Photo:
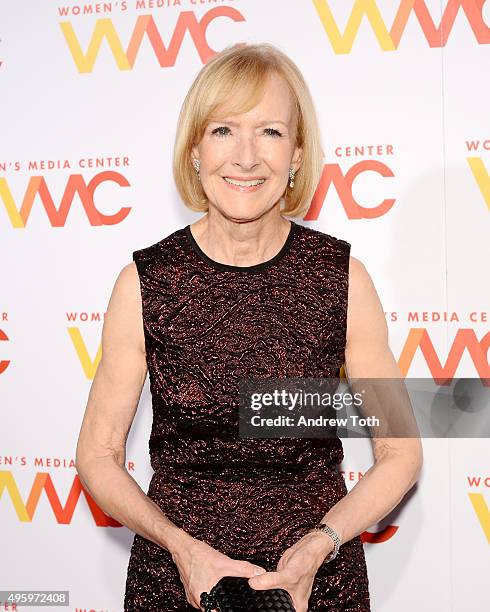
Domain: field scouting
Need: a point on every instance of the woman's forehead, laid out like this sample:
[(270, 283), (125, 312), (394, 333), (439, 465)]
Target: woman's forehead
[(271, 104)]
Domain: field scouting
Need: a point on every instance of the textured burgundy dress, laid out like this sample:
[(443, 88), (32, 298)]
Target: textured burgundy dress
[(207, 325)]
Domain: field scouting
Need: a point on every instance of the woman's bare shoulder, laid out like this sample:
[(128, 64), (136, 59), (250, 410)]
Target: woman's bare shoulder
[(359, 277), (123, 319), (128, 278), (365, 311)]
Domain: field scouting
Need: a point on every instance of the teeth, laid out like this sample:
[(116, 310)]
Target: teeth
[(244, 183)]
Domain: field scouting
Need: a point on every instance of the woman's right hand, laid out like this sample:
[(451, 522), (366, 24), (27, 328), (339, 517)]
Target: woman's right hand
[(201, 566)]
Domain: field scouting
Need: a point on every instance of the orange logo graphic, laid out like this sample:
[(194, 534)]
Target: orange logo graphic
[(389, 40), (145, 24), (4, 363), (465, 339), (63, 514), (57, 216), (377, 537), (332, 174)]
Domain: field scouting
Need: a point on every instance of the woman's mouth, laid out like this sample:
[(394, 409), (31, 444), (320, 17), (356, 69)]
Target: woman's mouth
[(244, 186)]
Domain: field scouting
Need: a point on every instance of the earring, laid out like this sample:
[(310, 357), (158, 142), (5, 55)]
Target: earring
[(197, 164), (291, 177)]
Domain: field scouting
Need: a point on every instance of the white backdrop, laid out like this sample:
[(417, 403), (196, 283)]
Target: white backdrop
[(88, 111)]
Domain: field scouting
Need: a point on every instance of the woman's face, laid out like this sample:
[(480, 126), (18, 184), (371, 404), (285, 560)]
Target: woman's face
[(257, 147)]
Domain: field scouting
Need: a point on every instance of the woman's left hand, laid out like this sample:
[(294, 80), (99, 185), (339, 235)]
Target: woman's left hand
[(297, 568)]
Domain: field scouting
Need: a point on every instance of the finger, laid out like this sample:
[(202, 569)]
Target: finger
[(269, 580), (245, 569)]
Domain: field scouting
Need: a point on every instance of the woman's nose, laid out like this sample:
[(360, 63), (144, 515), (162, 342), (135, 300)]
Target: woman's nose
[(246, 153)]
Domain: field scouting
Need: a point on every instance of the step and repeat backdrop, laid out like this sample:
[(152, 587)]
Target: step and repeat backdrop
[(91, 92)]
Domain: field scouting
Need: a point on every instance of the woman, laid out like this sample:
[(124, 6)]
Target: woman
[(241, 293)]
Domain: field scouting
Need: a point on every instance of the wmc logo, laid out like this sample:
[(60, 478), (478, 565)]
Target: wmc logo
[(389, 39), (75, 186), (145, 25), (43, 483)]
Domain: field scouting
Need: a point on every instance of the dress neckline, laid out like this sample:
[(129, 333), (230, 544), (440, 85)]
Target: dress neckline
[(256, 267)]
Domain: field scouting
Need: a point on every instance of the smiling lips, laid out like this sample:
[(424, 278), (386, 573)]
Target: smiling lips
[(244, 185)]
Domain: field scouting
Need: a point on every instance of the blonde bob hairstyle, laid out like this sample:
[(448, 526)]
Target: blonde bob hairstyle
[(232, 83)]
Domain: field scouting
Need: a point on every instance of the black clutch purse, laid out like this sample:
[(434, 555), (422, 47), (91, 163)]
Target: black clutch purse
[(234, 594)]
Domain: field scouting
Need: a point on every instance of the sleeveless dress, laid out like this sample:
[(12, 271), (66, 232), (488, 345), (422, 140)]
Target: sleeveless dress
[(207, 325)]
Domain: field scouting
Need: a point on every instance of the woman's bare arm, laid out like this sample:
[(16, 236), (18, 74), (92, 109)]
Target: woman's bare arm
[(112, 404), (398, 461)]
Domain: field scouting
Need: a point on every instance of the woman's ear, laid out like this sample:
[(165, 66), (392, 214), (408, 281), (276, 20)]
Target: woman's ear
[(195, 152), (297, 158)]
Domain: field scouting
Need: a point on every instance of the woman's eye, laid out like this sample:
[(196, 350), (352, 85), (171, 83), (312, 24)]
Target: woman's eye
[(273, 132), (220, 130)]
